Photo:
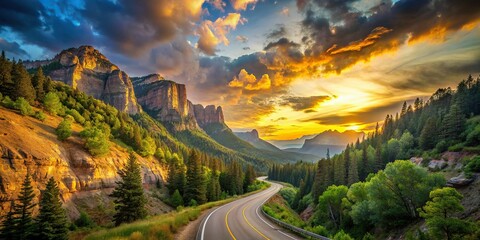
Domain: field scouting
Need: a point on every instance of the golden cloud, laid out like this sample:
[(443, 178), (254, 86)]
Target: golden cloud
[(249, 81), (243, 4), (213, 33)]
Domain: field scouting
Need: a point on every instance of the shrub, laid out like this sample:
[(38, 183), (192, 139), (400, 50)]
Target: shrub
[(96, 141), (52, 103), (23, 106), (76, 115), (8, 103), (64, 129), (442, 146), (473, 165), (456, 148), (40, 115), (84, 220)]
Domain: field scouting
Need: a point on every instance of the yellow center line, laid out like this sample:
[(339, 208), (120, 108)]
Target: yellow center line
[(226, 223), (245, 217)]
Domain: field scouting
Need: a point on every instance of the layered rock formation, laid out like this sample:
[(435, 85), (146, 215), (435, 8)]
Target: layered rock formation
[(208, 115), (43, 156), (89, 71)]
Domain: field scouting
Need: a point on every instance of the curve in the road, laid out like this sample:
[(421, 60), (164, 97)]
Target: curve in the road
[(241, 220)]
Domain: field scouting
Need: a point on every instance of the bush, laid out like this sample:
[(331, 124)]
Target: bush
[(40, 115), (288, 194), (319, 229), (456, 148), (96, 141), (23, 106), (64, 129), (76, 115), (8, 103), (84, 221), (442, 146), (342, 236), (473, 165), (52, 103)]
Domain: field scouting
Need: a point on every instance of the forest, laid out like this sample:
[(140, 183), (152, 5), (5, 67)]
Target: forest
[(194, 176), (367, 188)]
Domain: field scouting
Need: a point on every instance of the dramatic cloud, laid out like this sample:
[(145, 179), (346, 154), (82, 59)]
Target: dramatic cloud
[(212, 33), (243, 4), (12, 47), (218, 4), (250, 82), (279, 32), (304, 103)]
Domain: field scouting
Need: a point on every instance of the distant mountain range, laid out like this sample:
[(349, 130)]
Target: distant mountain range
[(332, 140)]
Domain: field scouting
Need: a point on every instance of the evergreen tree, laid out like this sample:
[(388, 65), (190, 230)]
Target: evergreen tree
[(249, 177), (353, 172), (213, 189), (129, 196), (38, 82), (8, 224), (453, 124), (378, 158), (23, 83), (48, 85), (195, 186), (52, 219), (24, 225), (52, 103), (428, 135), (177, 199), (364, 169), (6, 83)]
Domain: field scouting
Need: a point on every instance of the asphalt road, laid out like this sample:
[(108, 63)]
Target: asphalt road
[(242, 220)]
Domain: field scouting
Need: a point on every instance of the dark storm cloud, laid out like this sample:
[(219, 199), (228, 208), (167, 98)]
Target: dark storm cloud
[(338, 35), (12, 48), (278, 32), (305, 104)]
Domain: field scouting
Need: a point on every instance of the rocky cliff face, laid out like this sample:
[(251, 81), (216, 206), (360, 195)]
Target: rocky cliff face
[(43, 156), (208, 115), (89, 71), (165, 100)]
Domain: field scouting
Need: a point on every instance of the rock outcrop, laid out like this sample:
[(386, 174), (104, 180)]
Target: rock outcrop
[(208, 115), (165, 100), (89, 71), (43, 156)]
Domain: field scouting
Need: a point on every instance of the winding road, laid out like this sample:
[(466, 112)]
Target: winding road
[(242, 220)]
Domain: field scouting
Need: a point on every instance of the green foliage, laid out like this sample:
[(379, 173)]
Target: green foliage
[(7, 228), (76, 115), (52, 103), (8, 103), (84, 221), (195, 188), (341, 235), (23, 106), (52, 219), (397, 192), (214, 190), (277, 208), (147, 147), (330, 208), (64, 129), (40, 115), (23, 83), (129, 196), (24, 224), (176, 199), (96, 140), (38, 82), (319, 229), (473, 166), (288, 193), (439, 214)]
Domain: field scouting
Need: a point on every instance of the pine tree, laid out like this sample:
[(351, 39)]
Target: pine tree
[(23, 83), (195, 186), (249, 177), (378, 158), (24, 225), (177, 199), (428, 134), (213, 189), (38, 82), (353, 172), (52, 220), (363, 170), (8, 224), (453, 124), (347, 160), (6, 83), (130, 199)]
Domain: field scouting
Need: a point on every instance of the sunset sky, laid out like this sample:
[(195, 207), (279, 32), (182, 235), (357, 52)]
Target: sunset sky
[(286, 68)]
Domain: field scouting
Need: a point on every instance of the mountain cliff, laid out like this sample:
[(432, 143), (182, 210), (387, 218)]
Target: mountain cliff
[(80, 175), (89, 71), (253, 138)]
